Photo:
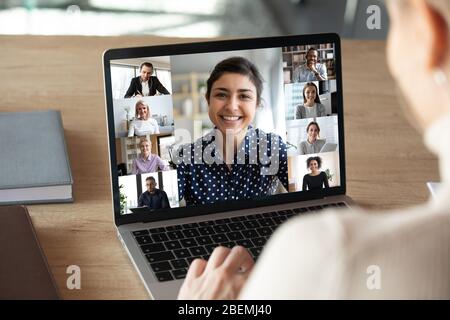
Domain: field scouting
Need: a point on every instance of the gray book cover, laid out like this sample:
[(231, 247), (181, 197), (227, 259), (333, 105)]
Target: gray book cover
[(33, 154)]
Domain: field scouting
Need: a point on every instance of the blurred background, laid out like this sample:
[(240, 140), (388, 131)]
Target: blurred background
[(190, 18)]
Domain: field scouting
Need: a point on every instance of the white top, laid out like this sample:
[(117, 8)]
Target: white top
[(145, 88), (356, 254), (143, 127)]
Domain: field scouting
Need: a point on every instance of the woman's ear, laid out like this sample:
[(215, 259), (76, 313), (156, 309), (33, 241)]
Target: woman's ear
[(435, 29)]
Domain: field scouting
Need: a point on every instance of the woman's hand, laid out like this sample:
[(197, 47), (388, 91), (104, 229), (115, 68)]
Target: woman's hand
[(221, 278)]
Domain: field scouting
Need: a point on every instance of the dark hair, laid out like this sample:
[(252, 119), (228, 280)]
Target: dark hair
[(311, 84), (238, 65), (313, 123), (311, 49), (146, 64), (318, 159), (150, 178)]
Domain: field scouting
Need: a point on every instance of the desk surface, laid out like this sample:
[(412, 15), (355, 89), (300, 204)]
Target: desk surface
[(387, 164)]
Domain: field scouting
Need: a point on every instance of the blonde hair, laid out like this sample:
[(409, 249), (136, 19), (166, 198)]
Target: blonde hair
[(142, 140), (141, 103)]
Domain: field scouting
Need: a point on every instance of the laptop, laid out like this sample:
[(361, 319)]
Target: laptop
[(178, 190), (328, 147)]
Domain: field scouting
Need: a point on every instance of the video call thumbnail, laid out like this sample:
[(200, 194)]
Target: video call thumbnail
[(225, 126)]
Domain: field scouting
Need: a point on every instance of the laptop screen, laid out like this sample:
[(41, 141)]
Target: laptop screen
[(224, 127)]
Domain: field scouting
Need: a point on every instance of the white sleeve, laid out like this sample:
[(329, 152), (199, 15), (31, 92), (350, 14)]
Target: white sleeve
[(156, 126), (298, 262), (323, 71), (131, 129)]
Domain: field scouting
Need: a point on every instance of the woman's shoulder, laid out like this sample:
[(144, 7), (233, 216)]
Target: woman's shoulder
[(152, 121)]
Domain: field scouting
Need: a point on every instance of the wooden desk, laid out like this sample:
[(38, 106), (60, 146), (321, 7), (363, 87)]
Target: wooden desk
[(387, 164)]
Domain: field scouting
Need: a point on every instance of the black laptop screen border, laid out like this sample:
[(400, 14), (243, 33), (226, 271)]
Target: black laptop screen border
[(214, 46)]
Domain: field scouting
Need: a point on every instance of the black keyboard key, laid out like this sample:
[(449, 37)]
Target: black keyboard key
[(160, 237), (180, 273), (240, 218), (163, 276), (144, 240), (228, 244), (161, 266), (342, 204), (190, 259), (172, 245), (182, 253), (245, 243), (277, 220), (190, 225), (197, 251), (267, 214), (236, 226), (219, 238), (204, 240), (264, 231), (251, 224), (236, 235), (153, 247), (210, 248), (282, 218), (205, 231), (285, 212), (266, 222), (160, 256), (140, 233), (187, 243), (174, 228), (175, 235), (252, 217), (255, 252), (206, 223), (259, 242), (206, 257), (223, 221), (191, 233), (178, 264), (157, 230), (249, 234), (300, 210), (221, 228)]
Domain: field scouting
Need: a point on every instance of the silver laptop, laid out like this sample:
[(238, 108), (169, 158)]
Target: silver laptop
[(179, 189)]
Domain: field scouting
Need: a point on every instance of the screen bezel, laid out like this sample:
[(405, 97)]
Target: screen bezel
[(215, 46)]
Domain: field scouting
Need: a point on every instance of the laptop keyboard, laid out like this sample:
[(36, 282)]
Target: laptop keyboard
[(170, 250)]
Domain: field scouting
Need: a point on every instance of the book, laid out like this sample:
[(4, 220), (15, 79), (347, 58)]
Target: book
[(24, 271), (35, 166)]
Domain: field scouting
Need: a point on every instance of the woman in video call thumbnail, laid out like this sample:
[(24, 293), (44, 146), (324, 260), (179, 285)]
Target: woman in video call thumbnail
[(316, 179), (233, 95), (143, 124), (312, 143), (312, 107), (147, 162)]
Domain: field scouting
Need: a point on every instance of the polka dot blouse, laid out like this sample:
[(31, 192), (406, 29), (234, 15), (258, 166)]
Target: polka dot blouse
[(259, 164)]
